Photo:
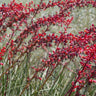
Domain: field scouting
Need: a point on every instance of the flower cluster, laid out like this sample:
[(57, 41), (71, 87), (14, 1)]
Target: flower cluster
[(27, 36)]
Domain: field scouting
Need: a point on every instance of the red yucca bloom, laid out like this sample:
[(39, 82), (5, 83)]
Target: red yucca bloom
[(20, 20)]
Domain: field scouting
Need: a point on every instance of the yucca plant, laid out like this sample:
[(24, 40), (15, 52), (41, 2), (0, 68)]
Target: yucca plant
[(42, 53)]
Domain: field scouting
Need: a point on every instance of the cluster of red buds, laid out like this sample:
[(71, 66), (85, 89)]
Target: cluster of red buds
[(20, 20)]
